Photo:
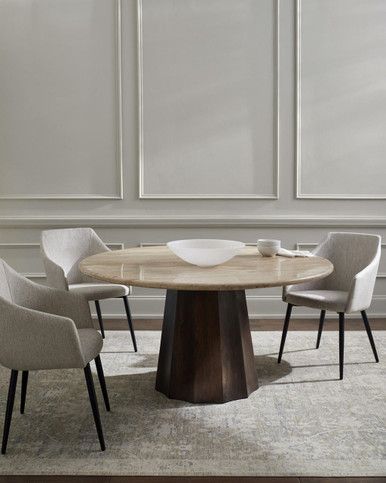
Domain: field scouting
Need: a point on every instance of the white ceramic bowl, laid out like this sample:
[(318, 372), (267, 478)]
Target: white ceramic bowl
[(268, 242), (205, 253), (268, 248)]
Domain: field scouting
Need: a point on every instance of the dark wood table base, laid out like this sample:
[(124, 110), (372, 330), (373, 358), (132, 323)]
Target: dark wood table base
[(206, 353)]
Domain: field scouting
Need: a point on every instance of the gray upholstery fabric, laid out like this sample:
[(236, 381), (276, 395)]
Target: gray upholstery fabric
[(99, 291), (62, 250), (4, 286), (65, 249), (43, 328), (350, 287), (319, 299), (91, 343)]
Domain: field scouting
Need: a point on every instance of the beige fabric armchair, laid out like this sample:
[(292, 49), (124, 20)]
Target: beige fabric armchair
[(62, 251), (43, 328), (348, 289)]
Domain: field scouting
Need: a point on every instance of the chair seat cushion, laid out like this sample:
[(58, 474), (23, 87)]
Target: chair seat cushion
[(91, 342), (99, 291), (335, 300)]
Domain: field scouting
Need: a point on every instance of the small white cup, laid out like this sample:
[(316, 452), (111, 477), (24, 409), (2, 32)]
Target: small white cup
[(268, 248)]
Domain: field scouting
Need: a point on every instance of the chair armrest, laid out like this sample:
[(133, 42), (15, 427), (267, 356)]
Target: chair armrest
[(97, 245), (362, 286), (318, 251), (66, 304), (50, 300), (55, 273), (32, 340)]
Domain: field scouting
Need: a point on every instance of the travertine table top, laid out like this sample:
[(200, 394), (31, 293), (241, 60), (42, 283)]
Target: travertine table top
[(158, 267)]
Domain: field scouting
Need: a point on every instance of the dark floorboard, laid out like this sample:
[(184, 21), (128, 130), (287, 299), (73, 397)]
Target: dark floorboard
[(374, 479), (256, 324), (187, 479)]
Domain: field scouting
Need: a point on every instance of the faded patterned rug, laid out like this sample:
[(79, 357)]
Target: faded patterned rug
[(301, 421)]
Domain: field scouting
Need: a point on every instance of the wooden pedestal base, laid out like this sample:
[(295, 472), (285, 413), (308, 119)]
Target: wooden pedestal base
[(206, 352)]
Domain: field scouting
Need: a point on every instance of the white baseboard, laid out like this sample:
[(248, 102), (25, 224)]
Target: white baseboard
[(259, 307)]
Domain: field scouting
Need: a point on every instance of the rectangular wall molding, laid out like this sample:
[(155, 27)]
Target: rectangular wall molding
[(343, 105), (117, 165), (143, 192), (187, 220), (22, 247)]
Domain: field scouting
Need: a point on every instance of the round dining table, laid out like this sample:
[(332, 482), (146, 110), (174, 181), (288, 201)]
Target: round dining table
[(206, 353)]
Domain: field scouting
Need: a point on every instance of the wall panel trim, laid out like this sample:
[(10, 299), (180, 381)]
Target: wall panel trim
[(276, 94), (24, 245), (299, 193), (119, 143), (185, 220)]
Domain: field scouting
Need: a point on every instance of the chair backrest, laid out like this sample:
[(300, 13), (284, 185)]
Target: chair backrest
[(5, 290), (349, 253), (13, 286), (67, 247)]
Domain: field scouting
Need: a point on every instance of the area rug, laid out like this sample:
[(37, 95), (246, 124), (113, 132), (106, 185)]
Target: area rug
[(301, 421)]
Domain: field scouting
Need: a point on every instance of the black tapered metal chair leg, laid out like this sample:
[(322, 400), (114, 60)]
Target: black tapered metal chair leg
[(285, 330), (370, 335), (341, 344), (9, 409), (102, 382), (130, 322), (24, 384), (99, 313), (94, 405), (320, 330)]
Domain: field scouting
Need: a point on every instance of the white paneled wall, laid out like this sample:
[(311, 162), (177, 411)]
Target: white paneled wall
[(60, 99), (152, 120), (341, 99), (214, 51)]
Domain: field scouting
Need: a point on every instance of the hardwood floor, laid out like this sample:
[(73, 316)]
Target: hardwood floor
[(256, 324), (186, 479)]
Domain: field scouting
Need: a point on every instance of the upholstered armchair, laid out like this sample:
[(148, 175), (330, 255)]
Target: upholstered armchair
[(44, 328), (62, 251), (348, 289)]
